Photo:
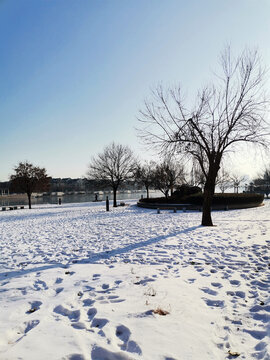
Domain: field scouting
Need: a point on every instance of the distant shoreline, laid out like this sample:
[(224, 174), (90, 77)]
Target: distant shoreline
[(24, 196), (13, 196)]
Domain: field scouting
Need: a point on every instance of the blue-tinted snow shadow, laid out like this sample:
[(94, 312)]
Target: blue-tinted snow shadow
[(6, 275), (96, 257), (107, 254)]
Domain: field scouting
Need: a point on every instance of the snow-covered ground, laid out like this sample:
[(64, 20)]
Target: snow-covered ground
[(80, 283)]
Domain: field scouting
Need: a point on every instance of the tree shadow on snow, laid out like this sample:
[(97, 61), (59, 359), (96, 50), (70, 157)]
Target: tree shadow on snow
[(96, 257)]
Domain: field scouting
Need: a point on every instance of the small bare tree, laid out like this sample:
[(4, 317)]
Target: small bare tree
[(197, 177), (223, 180), (113, 166), (144, 174), (168, 175), (236, 180), (28, 179), (263, 177), (266, 175), (262, 182), (227, 113)]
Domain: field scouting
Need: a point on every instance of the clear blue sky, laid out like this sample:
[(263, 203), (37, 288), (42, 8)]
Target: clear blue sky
[(73, 73)]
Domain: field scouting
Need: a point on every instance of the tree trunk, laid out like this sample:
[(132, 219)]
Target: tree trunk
[(207, 203), (209, 190), (147, 192), (29, 200), (114, 197)]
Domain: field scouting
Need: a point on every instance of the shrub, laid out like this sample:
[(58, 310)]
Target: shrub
[(226, 199), (185, 190), (159, 200), (219, 199)]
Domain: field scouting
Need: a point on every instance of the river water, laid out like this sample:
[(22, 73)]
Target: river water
[(76, 198)]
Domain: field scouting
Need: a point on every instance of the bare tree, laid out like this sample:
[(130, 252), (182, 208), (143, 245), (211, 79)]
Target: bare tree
[(262, 182), (224, 114), (28, 179), (223, 180), (197, 177), (144, 174), (113, 166), (237, 180), (168, 175), (263, 177), (266, 175)]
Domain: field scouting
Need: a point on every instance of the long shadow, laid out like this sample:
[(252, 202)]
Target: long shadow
[(96, 257), (108, 254), (17, 273)]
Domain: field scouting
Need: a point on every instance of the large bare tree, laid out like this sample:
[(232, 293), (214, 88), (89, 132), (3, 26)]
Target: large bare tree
[(113, 166), (28, 179), (230, 111)]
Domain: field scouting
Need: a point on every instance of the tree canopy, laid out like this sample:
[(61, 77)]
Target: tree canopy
[(230, 111), (28, 179), (113, 166)]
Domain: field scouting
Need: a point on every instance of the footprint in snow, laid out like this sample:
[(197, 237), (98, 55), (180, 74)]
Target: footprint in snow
[(235, 282), (240, 294), (40, 285), (99, 353), (73, 315), (214, 303), (209, 291), (190, 281), (88, 302), (216, 284), (96, 276), (123, 333), (104, 288), (115, 299), (91, 313), (74, 357), (102, 300), (118, 282), (99, 323), (78, 325), (58, 290), (256, 334), (58, 280), (34, 306)]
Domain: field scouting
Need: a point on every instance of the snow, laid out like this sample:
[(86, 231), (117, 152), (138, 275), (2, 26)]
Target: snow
[(78, 282)]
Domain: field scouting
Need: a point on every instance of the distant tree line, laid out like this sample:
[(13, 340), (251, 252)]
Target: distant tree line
[(127, 173), (261, 184), (117, 168)]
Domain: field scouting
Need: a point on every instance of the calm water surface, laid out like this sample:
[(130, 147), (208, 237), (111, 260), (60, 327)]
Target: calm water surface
[(78, 198)]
